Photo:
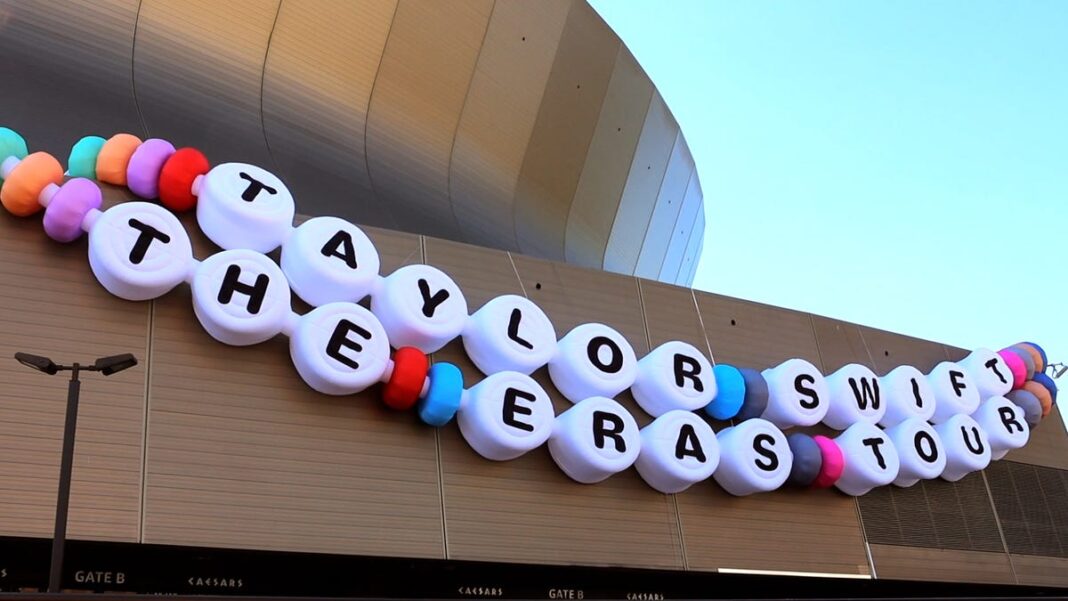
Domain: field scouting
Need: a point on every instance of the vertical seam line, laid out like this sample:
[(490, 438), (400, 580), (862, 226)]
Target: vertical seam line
[(133, 70), (263, 77), (367, 114), (656, 203), (997, 521), (145, 420)]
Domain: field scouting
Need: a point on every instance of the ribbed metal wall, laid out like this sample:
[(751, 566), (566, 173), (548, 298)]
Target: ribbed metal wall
[(523, 126)]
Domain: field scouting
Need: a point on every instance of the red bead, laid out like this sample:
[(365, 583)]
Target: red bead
[(176, 179), (410, 367)]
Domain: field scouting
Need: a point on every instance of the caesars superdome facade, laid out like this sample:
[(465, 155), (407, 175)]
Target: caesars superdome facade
[(406, 282)]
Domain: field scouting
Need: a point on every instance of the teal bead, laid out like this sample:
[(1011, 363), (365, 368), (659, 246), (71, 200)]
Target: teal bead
[(730, 392), (11, 145), (82, 161), (443, 396)]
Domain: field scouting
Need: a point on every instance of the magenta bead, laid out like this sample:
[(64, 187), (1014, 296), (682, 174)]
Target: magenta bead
[(64, 215), (142, 173)]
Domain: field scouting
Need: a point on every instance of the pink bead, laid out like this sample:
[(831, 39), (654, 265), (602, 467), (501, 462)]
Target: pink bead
[(1017, 366), (833, 462), (64, 215), (142, 173)]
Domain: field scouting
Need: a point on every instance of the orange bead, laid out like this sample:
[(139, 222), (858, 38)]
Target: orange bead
[(1043, 395), (114, 157), (24, 184)]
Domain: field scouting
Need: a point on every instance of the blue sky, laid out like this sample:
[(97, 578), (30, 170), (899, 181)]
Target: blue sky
[(898, 164)]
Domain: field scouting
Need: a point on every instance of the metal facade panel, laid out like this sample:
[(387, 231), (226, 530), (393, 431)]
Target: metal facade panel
[(51, 305), (840, 344), (1048, 445), (647, 173), (671, 314), (608, 162), (748, 334), (1040, 571), (680, 235), (317, 81), (909, 563), (499, 116), (688, 279), (1032, 505), (72, 64), (418, 96), (888, 350), (692, 254), (556, 154), (197, 68), (668, 204)]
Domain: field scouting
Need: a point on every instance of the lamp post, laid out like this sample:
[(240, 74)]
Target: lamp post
[(106, 366)]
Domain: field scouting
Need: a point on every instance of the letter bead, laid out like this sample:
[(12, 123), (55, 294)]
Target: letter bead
[(906, 393), (871, 459), (340, 348), (797, 394), (967, 446), (855, 396), (954, 390), (594, 439), (506, 415), (674, 375), (244, 206), (420, 306), (593, 360), (139, 251), (920, 450), (678, 450), (327, 259), (1005, 425), (509, 333), (754, 457), (991, 374), (241, 297)]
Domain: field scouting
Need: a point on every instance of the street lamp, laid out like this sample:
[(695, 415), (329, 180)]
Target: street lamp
[(107, 366)]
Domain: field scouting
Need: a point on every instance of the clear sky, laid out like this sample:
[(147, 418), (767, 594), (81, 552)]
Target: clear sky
[(900, 164)]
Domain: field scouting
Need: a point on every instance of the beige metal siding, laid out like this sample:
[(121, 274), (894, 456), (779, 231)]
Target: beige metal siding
[(657, 235), (910, 563)]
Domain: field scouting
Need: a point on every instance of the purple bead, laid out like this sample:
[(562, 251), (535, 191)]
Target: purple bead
[(142, 173), (64, 215)]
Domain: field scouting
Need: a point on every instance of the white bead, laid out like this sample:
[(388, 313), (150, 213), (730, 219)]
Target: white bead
[(797, 394), (989, 371), (954, 391), (594, 439), (327, 260), (339, 348), (593, 360), (871, 459), (855, 396), (506, 415), (678, 450), (255, 311), (675, 375), (420, 306), (907, 394), (967, 446), (509, 333), (920, 450), (244, 206), (139, 271), (1004, 423), (753, 457)]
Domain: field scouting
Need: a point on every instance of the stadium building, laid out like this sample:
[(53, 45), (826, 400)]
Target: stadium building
[(519, 148)]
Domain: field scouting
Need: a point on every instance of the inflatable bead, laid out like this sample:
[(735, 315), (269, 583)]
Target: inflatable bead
[(674, 375), (1029, 362), (241, 297), (797, 394), (419, 306), (678, 450), (730, 393), (990, 372), (872, 459), (592, 360), (808, 459), (1041, 352), (24, 184), (65, 212), (145, 166), (920, 451), (341, 348), (1047, 383), (114, 158), (509, 333), (1036, 357), (966, 444), (954, 390), (244, 206), (755, 402), (1005, 425), (854, 396), (405, 384), (1030, 405), (594, 439), (832, 462), (177, 176), (1043, 395), (11, 145), (907, 393), (139, 251), (82, 159), (506, 415), (444, 395), (754, 457), (1017, 367), (328, 259)]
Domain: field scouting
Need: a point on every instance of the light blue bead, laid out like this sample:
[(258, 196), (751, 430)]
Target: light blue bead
[(11, 145), (442, 398), (82, 161), (730, 392)]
